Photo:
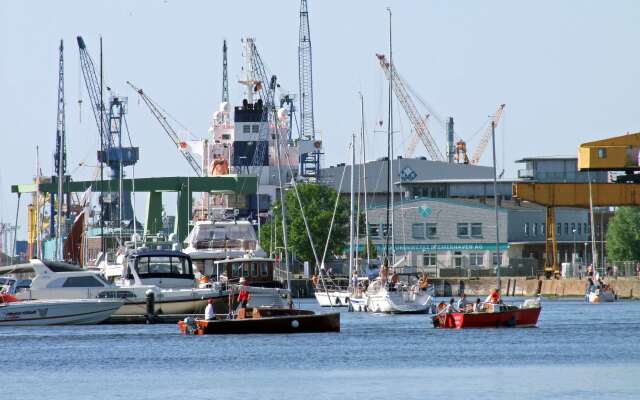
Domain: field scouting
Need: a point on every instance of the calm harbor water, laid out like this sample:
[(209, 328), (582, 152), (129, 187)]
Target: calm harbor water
[(579, 351)]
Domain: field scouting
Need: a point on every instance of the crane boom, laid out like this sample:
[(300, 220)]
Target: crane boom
[(173, 135), (225, 82), (419, 123), (411, 147), (305, 75), (93, 89), (486, 135)]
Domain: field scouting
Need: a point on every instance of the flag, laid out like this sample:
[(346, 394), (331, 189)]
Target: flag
[(193, 146)]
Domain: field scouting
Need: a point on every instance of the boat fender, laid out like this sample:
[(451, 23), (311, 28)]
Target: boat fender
[(295, 324)]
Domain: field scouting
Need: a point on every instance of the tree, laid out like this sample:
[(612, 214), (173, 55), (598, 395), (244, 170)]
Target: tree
[(318, 202), (623, 235)]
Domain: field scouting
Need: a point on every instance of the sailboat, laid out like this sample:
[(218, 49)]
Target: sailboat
[(387, 293), (493, 313)]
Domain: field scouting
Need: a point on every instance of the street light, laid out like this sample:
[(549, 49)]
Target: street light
[(573, 257)]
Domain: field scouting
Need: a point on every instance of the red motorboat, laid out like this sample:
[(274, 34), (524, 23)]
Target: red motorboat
[(493, 316)]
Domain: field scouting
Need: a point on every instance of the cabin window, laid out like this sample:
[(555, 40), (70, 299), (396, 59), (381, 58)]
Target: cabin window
[(573, 227), (543, 227), (209, 268), (235, 270), (602, 153), (246, 128), (387, 230), (566, 228), (143, 265), (82, 281), (255, 128), (264, 269), (254, 269), (559, 230), (476, 229), (159, 265), (579, 226), (432, 230), (534, 229), (245, 270), (526, 229)]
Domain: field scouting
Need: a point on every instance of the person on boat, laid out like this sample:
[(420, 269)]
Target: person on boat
[(451, 308), (314, 280), (209, 312), (462, 302), (243, 296), (423, 282), (395, 279), (477, 306), (494, 297), (354, 280)]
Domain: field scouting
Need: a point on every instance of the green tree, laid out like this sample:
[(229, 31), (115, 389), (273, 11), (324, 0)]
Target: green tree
[(318, 202), (623, 235)]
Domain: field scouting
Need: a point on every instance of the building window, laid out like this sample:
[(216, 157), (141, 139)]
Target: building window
[(586, 228), (387, 230), (374, 230), (543, 227), (559, 230), (495, 258), (417, 231), (463, 230), (476, 230), (534, 229), (566, 228), (602, 153), (429, 259), (573, 227), (476, 259), (246, 129), (432, 230), (457, 259), (526, 229)]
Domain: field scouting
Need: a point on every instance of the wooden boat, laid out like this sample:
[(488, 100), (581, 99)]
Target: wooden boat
[(264, 320), (494, 316)]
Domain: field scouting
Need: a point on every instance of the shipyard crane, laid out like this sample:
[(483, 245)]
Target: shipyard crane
[(305, 75), (266, 94), (111, 152), (157, 112), (419, 123), (225, 82), (461, 145), (60, 157)]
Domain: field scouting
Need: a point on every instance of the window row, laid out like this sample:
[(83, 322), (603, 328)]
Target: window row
[(429, 230), (253, 128), (475, 259), (420, 231), (562, 229), (473, 229)]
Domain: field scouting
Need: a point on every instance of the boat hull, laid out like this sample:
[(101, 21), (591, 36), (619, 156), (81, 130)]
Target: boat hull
[(334, 298), (298, 322), (399, 302), (516, 318), (601, 296), (57, 312)]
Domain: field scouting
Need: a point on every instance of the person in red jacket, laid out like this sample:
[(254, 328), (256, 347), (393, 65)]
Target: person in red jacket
[(243, 296)]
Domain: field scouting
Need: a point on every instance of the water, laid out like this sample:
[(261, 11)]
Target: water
[(579, 351)]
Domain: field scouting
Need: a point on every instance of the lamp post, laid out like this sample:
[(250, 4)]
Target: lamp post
[(573, 256)]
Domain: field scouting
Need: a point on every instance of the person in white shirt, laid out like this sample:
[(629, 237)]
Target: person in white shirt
[(209, 312)]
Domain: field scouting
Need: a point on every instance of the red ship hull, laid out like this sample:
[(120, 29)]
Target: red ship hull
[(514, 318)]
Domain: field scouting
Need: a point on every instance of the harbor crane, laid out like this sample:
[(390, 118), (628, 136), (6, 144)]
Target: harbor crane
[(112, 152), (461, 145), (419, 122), (225, 81), (158, 113)]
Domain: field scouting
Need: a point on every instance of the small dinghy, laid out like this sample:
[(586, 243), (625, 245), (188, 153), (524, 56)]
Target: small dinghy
[(263, 320)]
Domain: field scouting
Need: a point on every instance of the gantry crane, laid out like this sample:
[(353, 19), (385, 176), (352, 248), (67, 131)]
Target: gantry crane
[(157, 112), (419, 123)]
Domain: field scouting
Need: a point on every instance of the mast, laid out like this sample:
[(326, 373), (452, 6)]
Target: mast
[(495, 200), (102, 147), (283, 210), (364, 177), (225, 82), (389, 219), (352, 205), (60, 161)]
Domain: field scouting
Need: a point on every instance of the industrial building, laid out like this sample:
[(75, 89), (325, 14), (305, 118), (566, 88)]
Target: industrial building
[(444, 215)]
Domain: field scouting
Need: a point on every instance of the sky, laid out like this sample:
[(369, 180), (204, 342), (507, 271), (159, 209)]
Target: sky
[(566, 70)]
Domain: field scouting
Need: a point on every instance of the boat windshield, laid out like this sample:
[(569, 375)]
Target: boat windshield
[(161, 266), (229, 236)]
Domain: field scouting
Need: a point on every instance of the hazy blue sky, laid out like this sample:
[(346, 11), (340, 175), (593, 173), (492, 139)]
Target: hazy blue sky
[(567, 70)]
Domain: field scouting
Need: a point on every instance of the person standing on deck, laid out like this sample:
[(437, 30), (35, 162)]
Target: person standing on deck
[(462, 302), (243, 296), (209, 312), (494, 297)]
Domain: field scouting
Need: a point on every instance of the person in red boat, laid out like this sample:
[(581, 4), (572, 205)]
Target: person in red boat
[(494, 297), (243, 296)]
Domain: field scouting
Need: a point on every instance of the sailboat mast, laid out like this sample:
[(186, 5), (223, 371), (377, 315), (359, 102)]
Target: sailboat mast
[(283, 210), (495, 201), (352, 205), (61, 154), (389, 221), (364, 177)]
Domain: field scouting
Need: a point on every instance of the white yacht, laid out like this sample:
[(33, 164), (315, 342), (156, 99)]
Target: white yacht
[(57, 312), (56, 280), (211, 241), (398, 298)]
